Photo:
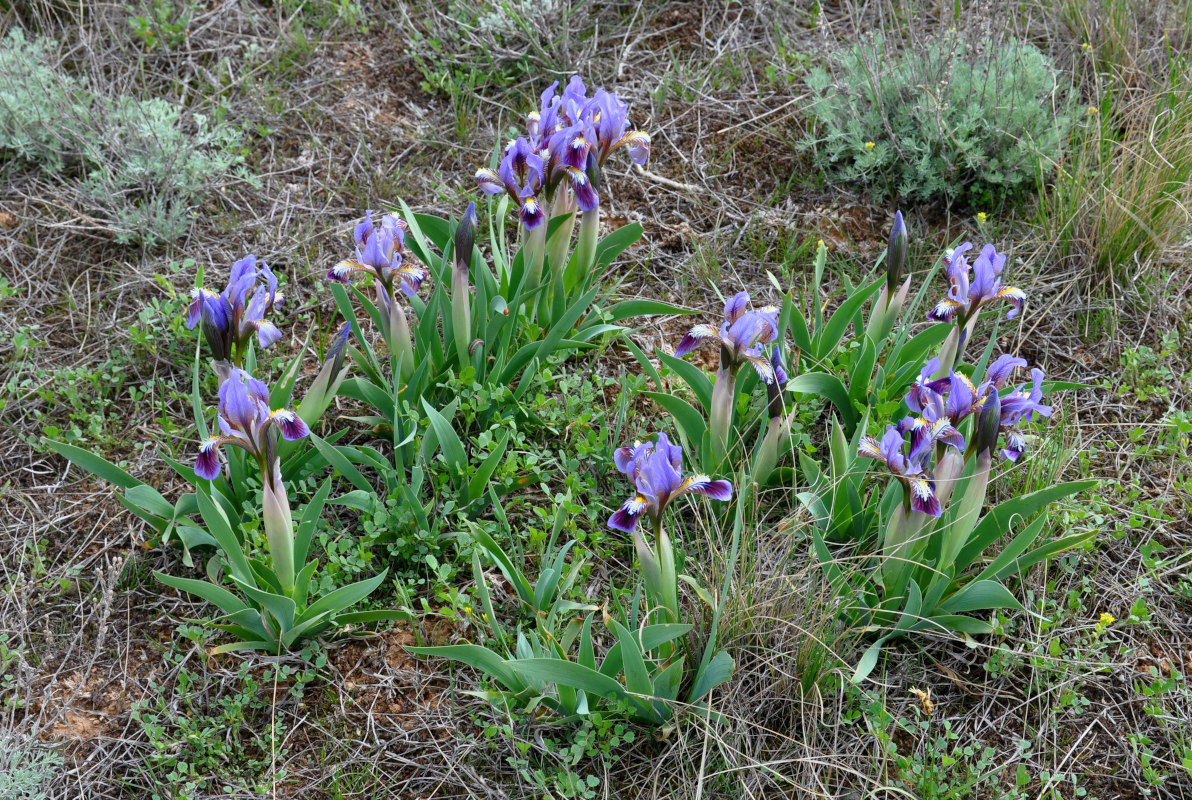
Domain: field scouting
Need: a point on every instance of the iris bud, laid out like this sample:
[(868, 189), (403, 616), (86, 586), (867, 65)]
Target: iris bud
[(896, 254)]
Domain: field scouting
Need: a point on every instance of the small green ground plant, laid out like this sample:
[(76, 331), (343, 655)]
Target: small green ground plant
[(144, 168)]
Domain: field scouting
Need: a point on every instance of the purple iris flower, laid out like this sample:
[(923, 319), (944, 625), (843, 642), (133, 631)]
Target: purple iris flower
[(230, 318), (966, 297), (607, 118), (656, 472), (379, 252), (520, 175), (244, 421), (1021, 405), (741, 336), (913, 469), (955, 396)]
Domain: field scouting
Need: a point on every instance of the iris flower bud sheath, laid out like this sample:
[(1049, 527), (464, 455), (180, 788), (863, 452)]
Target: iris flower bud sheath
[(896, 254), (779, 424), (589, 227), (890, 301), (985, 436), (461, 299), (559, 246), (279, 528)]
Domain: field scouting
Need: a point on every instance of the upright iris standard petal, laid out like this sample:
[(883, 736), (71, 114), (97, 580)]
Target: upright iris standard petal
[(236, 405), (736, 306), (999, 372), (655, 468)]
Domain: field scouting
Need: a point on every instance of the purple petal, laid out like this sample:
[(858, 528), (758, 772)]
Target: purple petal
[(489, 181), (999, 371), (585, 196), (267, 332), (235, 404), (623, 457), (736, 306), (290, 424), (207, 463), (531, 213), (702, 484), (923, 497), (625, 518), (672, 452), (363, 229), (694, 338)]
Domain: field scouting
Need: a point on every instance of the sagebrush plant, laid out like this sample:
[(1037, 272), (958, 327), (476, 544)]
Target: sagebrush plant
[(964, 122), (144, 165)]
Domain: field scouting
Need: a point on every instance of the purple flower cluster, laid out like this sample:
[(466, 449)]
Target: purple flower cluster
[(955, 398), (655, 469), (230, 318), (567, 141), (942, 404), (913, 467)]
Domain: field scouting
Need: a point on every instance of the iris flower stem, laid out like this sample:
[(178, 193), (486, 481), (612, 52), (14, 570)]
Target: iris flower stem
[(533, 252), (665, 555), (461, 315), (721, 413), (585, 248)]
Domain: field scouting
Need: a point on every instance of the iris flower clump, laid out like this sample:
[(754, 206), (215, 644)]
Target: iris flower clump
[(246, 421), (380, 253), (656, 471), (969, 293), (557, 167)]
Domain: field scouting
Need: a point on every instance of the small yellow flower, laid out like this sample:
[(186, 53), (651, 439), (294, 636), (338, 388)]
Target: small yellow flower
[(870, 145), (982, 217), (820, 244), (1086, 47), (1094, 110), (468, 610), (1107, 619)]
